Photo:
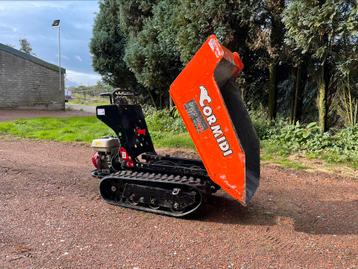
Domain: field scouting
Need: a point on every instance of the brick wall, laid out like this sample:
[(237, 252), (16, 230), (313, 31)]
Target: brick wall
[(27, 84)]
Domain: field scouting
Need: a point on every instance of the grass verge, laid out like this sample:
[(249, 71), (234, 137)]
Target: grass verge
[(85, 129), (81, 129), (88, 100)]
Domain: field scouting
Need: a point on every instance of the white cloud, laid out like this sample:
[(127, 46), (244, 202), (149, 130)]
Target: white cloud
[(51, 4), (22, 5), (78, 58), (63, 57), (41, 4), (79, 78), (83, 26), (6, 27)]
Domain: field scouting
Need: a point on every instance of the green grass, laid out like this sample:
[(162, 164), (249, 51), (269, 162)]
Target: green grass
[(277, 151), (81, 129), (165, 132), (171, 140), (272, 154), (80, 99), (85, 129)]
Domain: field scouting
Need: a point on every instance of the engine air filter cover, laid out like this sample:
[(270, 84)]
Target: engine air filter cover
[(105, 144)]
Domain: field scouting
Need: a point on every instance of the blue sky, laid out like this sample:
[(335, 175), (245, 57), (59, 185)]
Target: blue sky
[(32, 20)]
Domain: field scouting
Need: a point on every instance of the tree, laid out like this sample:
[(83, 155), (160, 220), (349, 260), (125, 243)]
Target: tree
[(276, 41), (156, 38), (298, 92), (174, 32), (25, 46), (314, 27), (292, 50), (265, 43), (150, 59), (107, 47), (133, 15)]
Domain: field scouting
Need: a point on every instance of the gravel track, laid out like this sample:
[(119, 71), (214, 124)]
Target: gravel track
[(51, 216)]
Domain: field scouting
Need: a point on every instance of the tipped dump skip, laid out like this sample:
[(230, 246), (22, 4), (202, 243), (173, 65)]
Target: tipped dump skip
[(212, 109)]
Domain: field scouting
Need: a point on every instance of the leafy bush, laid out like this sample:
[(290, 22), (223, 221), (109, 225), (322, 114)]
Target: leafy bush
[(277, 139), (341, 146), (164, 120)]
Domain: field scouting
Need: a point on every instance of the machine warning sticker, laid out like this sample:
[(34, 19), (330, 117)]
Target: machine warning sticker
[(195, 115), (101, 112), (215, 47)]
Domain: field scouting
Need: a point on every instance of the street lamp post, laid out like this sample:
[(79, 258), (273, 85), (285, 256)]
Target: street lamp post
[(56, 24)]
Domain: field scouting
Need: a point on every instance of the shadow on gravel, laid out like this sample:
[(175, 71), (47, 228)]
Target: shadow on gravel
[(318, 217)]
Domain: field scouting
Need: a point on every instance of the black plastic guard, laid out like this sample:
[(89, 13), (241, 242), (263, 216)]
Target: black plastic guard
[(243, 126), (128, 122)]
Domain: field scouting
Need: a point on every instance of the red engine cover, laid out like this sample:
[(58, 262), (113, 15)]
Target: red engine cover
[(96, 160)]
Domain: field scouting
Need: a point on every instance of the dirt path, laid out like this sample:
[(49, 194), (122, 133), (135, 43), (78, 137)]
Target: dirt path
[(7, 115), (52, 217)]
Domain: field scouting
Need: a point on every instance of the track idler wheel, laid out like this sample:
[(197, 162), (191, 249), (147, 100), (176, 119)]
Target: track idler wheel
[(112, 190)]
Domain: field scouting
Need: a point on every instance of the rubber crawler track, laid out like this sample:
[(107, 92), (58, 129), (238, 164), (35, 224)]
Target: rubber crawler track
[(116, 189)]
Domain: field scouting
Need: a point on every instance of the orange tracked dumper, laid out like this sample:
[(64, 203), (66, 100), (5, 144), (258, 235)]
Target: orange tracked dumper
[(133, 175)]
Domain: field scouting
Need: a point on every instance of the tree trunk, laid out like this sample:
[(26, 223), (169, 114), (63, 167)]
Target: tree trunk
[(170, 103), (297, 102), (323, 86), (322, 97), (151, 97), (272, 91), (277, 35)]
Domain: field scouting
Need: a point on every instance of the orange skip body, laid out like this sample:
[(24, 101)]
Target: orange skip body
[(217, 120)]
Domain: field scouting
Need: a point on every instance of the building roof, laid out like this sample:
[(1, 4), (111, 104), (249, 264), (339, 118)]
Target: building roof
[(30, 58)]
